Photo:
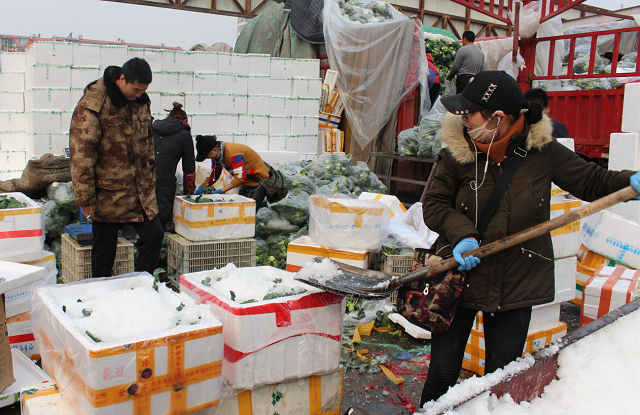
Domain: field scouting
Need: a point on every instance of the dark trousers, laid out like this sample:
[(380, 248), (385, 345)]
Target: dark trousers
[(256, 193), (434, 93), (505, 334), (103, 253), (461, 82)]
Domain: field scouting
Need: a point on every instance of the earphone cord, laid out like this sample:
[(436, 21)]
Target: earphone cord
[(473, 183)]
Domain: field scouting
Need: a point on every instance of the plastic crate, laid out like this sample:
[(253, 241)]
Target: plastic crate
[(395, 265), (76, 259), (185, 256)]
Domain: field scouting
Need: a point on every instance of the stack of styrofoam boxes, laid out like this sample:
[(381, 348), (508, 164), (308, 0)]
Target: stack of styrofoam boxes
[(13, 120), (330, 136), (269, 104), (624, 148)]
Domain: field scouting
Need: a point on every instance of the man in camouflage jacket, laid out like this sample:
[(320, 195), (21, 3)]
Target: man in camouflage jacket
[(113, 164)]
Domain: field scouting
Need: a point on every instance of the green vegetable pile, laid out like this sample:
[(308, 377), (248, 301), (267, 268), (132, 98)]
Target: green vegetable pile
[(364, 12), (443, 53), (8, 202)]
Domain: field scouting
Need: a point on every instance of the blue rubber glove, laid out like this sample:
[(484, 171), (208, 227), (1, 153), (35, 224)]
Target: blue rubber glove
[(635, 183), (217, 192), (466, 245), (199, 190)]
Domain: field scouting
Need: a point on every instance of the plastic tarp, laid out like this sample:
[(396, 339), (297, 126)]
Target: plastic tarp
[(494, 50), (512, 68), (628, 41), (378, 64), (552, 27), (529, 19)]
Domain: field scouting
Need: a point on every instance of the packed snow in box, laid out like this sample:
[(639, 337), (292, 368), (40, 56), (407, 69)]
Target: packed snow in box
[(122, 314), (322, 271), (251, 285)]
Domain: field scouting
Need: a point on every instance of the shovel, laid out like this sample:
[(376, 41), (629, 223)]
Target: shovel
[(364, 283)]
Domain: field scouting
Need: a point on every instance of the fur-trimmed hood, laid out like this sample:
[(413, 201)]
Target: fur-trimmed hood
[(452, 136)]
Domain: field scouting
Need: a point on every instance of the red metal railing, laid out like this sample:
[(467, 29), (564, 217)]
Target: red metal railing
[(552, 8), (498, 9)]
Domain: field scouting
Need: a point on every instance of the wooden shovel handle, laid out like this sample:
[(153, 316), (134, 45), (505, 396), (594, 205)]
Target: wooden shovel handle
[(621, 195)]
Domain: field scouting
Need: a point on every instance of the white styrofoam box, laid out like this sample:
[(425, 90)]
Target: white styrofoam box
[(348, 223), (13, 121), (258, 142), (205, 82), (304, 249), (612, 236), (259, 84), (283, 143), (277, 158), (177, 61), (232, 83), (568, 143), (75, 94), (12, 81), (43, 400), (11, 101), (234, 138), (98, 379), (22, 233), (279, 124), (233, 63), (544, 317), (26, 374), (152, 56), (306, 87), (629, 210), (16, 275), (308, 156), (259, 64), (48, 262), (48, 76), (281, 86), (48, 99), (50, 53), (393, 203), (154, 96), (42, 143), (565, 278), (304, 124), (167, 99), (113, 55), (286, 67), (65, 122), (267, 342), (13, 62), (226, 123), (229, 217), (21, 335), (86, 54), (254, 124), (566, 240), (309, 68), (232, 104), (13, 140), (283, 105), (607, 289), (259, 104), (630, 119), (204, 61), (624, 151), (13, 160), (81, 76), (18, 301), (200, 103), (177, 81), (204, 124), (308, 106), (156, 81), (309, 143), (44, 121)]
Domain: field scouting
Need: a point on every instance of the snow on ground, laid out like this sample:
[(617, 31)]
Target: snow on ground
[(322, 271), (599, 374)]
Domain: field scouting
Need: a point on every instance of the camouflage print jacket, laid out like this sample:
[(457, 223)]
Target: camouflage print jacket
[(112, 155)]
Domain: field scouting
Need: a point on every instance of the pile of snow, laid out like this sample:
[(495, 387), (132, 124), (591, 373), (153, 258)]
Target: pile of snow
[(322, 271), (121, 314), (249, 285), (596, 375)]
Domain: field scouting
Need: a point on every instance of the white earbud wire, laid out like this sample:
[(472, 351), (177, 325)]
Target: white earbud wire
[(474, 186)]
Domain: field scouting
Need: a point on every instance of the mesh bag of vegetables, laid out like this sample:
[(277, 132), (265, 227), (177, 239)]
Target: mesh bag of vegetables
[(297, 183), (409, 142), (293, 208), (359, 174), (374, 185), (332, 164), (269, 222), (62, 193), (55, 219)]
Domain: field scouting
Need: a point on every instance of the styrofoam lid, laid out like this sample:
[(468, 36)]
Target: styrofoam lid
[(14, 275), (26, 373)]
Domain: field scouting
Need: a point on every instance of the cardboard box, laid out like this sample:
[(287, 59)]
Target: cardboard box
[(309, 68), (13, 121), (315, 395), (304, 124), (22, 231), (259, 84), (12, 81), (285, 67), (233, 63), (234, 218), (177, 82), (258, 142), (254, 124), (306, 87), (178, 368), (283, 142), (168, 98), (177, 61), (308, 106), (113, 55), (48, 99), (281, 105), (81, 76), (309, 144), (281, 86), (566, 240), (50, 53), (86, 54), (204, 61), (152, 56), (259, 104), (200, 102), (44, 122), (271, 341), (48, 76), (393, 203), (39, 144), (612, 236), (12, 101), (259, 64), (630, 119), (279, 124), (205, 82), (233, 84), (13, 140), (304, 249), (13, 62), (232, 103), (607, 289)]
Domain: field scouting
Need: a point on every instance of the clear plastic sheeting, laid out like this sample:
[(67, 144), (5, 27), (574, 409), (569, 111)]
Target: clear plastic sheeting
[(379, 63), (529, 19), (605, 43), (552, 27), (494, 50), (410, 230), (510, 67)]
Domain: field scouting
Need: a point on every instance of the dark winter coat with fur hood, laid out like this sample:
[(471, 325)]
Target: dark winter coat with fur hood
[(522, 275)]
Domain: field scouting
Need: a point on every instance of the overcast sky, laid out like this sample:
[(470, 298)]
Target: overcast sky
[(613, 4), (105, 20)]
